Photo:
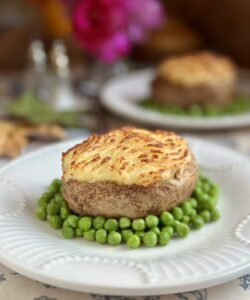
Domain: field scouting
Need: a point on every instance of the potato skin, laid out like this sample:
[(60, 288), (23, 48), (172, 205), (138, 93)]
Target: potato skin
[(166, 93), (111, 199)]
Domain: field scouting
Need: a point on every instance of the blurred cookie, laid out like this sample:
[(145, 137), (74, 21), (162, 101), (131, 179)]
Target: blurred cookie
[(199, 78), (12, 139), (15, 136), (45, 131)]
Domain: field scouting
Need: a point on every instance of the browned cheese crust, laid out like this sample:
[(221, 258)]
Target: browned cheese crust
[(202, 78), (116, 195)]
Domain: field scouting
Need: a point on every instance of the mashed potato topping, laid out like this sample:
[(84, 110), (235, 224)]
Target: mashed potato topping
[(203, 68), (127, 156)]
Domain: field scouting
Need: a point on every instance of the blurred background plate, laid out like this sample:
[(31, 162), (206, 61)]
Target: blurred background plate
[(122, 95)]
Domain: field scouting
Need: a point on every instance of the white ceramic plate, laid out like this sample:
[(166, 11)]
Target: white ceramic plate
[(217, 253), (122, 95)]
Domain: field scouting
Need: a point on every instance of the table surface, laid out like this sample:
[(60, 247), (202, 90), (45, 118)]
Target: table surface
[(15, 286)]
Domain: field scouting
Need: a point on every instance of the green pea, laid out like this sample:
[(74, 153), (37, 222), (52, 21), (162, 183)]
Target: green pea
[(138, 224), (193, 202), (89, 235), (169, 230), (185, 219), (84, 223), (59, 199), (48, 195), (192, 213), (57, 182), (111, 225), (49, 218), (73, 220), (206, 187), (155, 229), (133, 241), (182, 230), (198, 188), (114, 238), (215, 190), (56, 222), (98, 222), (64, 204), (78, 232), (215, 215), (206, 215), (41, 212), (126, 233), (66, 223), (213, 199), (175, 224), (68, 232), (177, 213), (140, 234), (55, 186), (166, 218), (151, 221), (199, 209), (237, 106), (203, 198), (203, 178), (43, 201), (150, 239), (124, 223), (197, 222), (53, 208), (64, 212), (198, 192), (209, 205), (164, 238), (186, 207), (214, 187), (53, 189), (101, 236)]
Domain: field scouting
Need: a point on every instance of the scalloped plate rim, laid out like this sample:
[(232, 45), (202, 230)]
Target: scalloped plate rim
[(147, 290), (128, 291)]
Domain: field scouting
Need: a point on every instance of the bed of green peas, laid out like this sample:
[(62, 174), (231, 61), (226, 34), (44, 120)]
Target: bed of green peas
[(151, 231), (241, 104)]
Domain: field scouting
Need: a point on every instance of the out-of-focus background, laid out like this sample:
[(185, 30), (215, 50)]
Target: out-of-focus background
[(69, 68), (47, 77), (224, 26)]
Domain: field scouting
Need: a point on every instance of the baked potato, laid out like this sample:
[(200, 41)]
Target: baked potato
[(200, 78), (128, 172)]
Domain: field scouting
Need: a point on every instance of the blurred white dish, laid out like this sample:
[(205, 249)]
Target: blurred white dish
[(122, 94)]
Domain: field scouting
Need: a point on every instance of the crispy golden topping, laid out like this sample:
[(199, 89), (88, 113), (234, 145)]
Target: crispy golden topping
[(12, 139), (127, 156), (198, 69)]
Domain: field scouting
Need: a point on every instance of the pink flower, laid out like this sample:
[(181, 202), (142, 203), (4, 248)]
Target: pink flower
[(99, 24), (107, 28), (116, 47), (145, 15)]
